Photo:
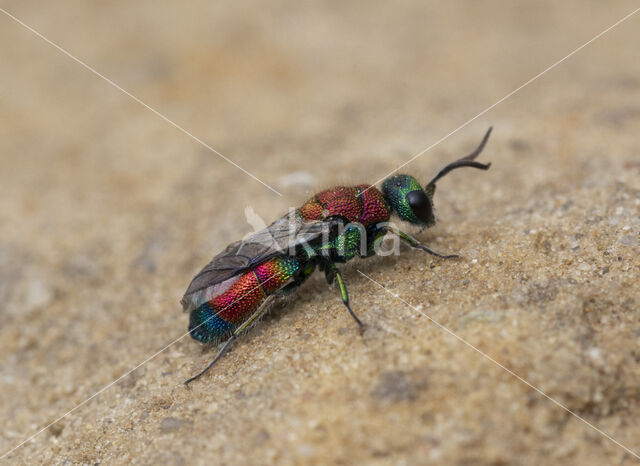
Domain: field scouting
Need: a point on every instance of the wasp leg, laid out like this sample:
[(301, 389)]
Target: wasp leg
[(331, 272), (215, 360), (414, 243), (245, 325)]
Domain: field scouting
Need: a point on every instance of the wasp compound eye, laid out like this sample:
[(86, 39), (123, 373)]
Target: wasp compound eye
[(420, 205)]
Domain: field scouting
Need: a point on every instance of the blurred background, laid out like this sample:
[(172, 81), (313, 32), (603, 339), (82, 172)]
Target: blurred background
[(107, 211)]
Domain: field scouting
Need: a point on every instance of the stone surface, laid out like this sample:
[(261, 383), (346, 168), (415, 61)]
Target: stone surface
[(106, 212)]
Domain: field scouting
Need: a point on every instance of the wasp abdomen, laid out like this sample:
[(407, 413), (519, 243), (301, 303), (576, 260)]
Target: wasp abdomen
[(216, 319)]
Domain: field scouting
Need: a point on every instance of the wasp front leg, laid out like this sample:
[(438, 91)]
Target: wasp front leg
[(414, 243), (332, 273)]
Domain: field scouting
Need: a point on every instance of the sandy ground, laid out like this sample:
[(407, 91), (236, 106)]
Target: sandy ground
[(107, 211)]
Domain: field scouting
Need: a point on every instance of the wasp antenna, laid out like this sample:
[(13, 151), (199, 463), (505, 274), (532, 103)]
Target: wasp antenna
[(479, 149), (467, 161)]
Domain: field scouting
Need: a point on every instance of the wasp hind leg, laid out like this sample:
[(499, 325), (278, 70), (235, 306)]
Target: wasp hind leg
[(331, 272), (245, 325), (215, 360), (414, 243)]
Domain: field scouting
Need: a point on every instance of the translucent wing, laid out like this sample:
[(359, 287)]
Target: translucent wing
[(283, 236)]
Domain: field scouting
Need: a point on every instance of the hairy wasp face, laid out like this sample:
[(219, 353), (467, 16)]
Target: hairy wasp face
[(407, 198)]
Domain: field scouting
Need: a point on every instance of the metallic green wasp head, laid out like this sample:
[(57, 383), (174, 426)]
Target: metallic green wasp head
[(407, 198), (414, 204)]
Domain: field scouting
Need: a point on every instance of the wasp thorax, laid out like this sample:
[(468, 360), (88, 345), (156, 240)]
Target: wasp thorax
[(407, 198)]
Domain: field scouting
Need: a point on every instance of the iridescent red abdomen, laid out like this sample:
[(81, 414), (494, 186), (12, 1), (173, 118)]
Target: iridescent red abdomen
[(239, 297), (216, 319)]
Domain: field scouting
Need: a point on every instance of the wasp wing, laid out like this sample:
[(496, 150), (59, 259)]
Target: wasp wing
[(283, 236)]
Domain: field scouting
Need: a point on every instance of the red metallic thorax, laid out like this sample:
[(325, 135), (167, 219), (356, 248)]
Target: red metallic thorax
[(362, 204)]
